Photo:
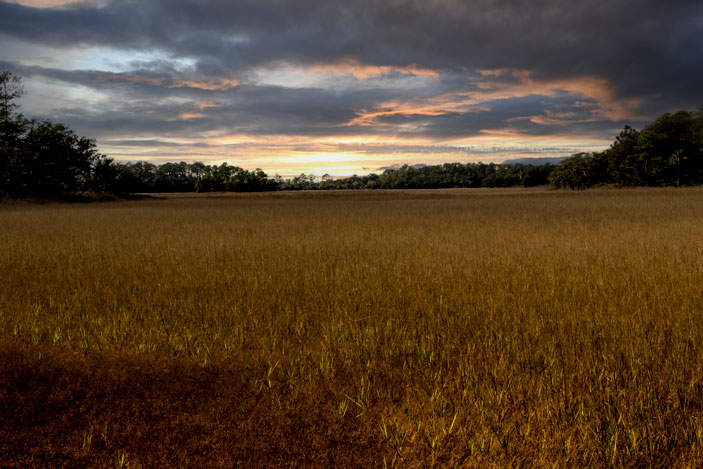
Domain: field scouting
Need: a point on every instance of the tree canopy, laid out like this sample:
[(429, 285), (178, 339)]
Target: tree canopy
[(42, 158), (667, 152)]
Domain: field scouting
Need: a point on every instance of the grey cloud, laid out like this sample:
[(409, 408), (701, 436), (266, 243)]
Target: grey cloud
[(155, 143), (649, 50), (513, 114), (466, 150), (139, 108), (137, 105), (644, 47)]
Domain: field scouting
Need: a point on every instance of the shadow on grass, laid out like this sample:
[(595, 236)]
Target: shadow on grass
[(64, 409), (77, 197)]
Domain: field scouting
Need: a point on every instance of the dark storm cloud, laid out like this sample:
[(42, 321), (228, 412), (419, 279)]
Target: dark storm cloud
[(147, 101), (532, 115), (138, 105), (646, 48)]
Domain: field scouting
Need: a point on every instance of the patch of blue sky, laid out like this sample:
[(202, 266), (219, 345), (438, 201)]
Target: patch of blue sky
[(119, 60)]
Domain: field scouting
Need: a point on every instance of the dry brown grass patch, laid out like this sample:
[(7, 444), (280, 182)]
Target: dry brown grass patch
[(450, 328)]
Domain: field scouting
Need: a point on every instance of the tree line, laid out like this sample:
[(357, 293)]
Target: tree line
[(198, 177), (46, 159), (667, 152), (447, 175)]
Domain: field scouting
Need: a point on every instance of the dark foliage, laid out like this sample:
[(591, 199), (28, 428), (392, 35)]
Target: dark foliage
[(198, 177), (183, 177), (44, 159), (668, 152), (448, 175)]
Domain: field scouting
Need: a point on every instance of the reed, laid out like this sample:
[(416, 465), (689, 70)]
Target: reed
[(453, 328)]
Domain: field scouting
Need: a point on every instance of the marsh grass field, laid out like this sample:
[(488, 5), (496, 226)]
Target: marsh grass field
[(469, 328)]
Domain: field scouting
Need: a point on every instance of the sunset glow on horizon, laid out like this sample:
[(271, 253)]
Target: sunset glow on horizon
[(350, 88)]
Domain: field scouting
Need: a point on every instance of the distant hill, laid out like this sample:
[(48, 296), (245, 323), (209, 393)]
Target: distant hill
[(536, 161)]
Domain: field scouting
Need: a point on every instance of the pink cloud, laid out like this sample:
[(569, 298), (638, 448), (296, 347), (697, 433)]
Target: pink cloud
[(364, 71)]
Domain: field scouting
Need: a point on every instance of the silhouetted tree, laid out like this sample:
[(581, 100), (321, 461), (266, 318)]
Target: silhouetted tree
[(42, 158), (667, 152), (54, 160), (12, 127)]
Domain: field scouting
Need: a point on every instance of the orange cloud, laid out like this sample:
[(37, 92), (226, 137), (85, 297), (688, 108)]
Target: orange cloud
[(197, 111), (434, 106), (597, 89), (216, 84), (190, 115), (591, 87), (364, 71)]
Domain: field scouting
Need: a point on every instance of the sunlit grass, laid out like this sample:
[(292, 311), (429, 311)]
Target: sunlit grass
[(458, 327)]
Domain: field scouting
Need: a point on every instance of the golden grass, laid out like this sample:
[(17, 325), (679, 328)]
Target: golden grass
[(459, 327)]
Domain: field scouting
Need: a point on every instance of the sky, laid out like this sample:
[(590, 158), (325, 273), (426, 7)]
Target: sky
[(354, 86)]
